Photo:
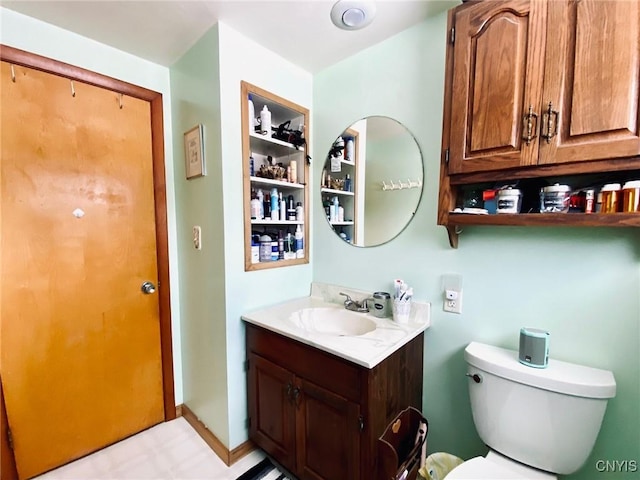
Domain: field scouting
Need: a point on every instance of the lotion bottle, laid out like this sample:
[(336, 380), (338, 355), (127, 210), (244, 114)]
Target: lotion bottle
[(265, 120)]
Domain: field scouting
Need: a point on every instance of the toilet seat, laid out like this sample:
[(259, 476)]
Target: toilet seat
[(496, 467)]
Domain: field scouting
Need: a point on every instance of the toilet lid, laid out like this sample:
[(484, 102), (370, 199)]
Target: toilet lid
[(479, 468)]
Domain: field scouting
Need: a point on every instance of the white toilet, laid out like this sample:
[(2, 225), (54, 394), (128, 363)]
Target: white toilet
[(536, 422)]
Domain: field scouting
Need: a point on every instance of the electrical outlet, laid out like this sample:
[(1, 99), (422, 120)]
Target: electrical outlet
[(453, 303)]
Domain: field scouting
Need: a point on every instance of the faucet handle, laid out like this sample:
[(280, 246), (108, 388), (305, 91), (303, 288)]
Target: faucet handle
[(348, 299)]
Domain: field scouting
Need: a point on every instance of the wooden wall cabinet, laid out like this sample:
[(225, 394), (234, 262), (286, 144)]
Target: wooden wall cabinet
[(257, 148), (319, 415), (539, 89)]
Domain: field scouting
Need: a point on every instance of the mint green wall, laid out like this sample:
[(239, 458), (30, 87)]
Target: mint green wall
[(243, 59), (582, 284), (26, 33), (195, 88), (216, 290)]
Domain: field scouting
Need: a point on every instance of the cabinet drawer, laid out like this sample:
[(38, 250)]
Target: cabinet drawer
[(319, 367)]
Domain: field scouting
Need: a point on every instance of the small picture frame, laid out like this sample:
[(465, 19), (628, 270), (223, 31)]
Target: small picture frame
[(194, 152)]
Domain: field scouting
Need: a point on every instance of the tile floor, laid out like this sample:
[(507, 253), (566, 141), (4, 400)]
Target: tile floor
[(171, 450)]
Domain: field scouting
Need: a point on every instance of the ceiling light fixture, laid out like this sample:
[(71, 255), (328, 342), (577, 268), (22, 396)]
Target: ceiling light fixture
[(353, 14)]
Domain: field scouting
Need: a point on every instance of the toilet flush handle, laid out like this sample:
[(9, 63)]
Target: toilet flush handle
[(476, 378)]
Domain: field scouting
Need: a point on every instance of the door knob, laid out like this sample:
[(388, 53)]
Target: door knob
[(148, 288)]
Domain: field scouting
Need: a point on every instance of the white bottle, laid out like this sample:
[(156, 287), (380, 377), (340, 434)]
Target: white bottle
[(299, 242), (261, 200), (299, 212), (350, 156), (252, 115), (265, 120)]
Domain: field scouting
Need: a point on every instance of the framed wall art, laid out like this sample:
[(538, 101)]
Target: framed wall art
[(194, 152)]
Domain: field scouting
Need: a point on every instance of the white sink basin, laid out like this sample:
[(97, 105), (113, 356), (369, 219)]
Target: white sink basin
[(332, 321)]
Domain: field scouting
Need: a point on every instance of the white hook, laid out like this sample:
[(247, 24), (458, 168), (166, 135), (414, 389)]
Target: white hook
[(13, 74)]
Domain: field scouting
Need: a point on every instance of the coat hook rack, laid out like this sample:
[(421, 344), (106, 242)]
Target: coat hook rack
[(401, 185)]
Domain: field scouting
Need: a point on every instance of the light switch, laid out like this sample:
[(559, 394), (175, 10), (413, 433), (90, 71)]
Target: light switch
[(197, 237)]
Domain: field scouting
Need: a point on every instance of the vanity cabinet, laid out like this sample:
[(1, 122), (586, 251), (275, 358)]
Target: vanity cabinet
[(540, 89), (319, 415), (275, 160)]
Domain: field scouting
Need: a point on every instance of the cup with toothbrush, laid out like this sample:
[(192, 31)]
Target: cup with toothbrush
[(401, 301)]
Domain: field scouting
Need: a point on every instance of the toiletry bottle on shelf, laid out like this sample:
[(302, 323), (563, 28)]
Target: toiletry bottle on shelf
[(349, 148), (283, 207), (289, 246), (252, 115), (252, 169), (341, 213), (255, 249), (347, 183), (299, 242), (260, 198), (275, 208), (265, 121), (265, 248), (274, 250), (280, 246), (294, 171), (299, 212), (334, 208), (291, 208), (255, 206)]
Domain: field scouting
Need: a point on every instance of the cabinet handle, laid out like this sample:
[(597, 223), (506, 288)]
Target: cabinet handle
[(550, 123), (296, 396), (529, 125)]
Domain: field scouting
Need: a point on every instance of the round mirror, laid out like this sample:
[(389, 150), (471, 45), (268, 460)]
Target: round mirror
[(372, 181)]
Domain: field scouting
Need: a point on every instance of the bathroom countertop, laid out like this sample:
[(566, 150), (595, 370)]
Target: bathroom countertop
[(366, 350)]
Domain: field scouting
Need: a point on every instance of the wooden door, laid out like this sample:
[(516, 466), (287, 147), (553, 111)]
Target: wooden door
[(271, 409), (592, 79), (498, 52), (328, 435), (80, 356)]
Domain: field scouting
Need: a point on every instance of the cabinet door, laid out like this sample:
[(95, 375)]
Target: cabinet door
[(328, 435), (271, 411), (498, 52), (592, 80)]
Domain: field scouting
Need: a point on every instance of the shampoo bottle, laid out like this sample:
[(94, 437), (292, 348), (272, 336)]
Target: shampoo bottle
[(261, 200), (299, 242), (252, 115), (265, 121)]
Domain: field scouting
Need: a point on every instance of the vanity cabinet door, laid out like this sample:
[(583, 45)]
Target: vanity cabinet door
[(498, 51), (592, 81), (271, 409), (328, 435)]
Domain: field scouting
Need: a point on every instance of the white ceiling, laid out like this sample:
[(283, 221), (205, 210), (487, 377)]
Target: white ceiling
[(161, 31)]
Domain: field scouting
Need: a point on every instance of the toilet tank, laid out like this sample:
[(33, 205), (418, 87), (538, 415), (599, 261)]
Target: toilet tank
[(545, 418)]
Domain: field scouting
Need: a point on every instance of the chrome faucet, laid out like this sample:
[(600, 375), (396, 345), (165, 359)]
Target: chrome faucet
[(354, 305)]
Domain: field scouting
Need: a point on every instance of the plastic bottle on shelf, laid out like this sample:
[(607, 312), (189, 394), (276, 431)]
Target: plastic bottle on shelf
[(265, 121), (294, 171), (347, 183), (349, 147), (299, 212), (283, 207), (275, 209), (260, 197), (256, 206), (252, 169), (299, 242), (252, 115), (280, 246)]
